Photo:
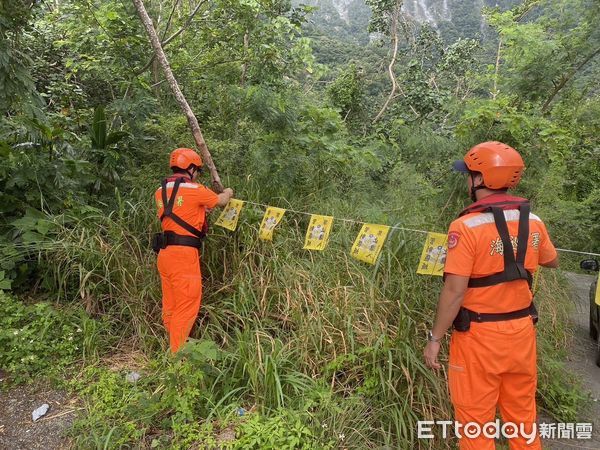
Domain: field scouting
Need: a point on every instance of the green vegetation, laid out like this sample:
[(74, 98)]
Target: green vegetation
[(560, 391), (31, 332), (318, 349)]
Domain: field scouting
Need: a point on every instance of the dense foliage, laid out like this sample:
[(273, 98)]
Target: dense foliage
[(318, 349)]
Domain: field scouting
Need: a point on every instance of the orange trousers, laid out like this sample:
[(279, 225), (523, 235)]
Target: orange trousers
[(494, 365), (181, 281)]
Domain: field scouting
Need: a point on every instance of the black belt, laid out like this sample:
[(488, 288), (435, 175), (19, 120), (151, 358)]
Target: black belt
[(186, 241), (498, 317)]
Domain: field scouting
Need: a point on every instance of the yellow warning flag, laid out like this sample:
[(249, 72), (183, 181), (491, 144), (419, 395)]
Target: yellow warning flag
[(598, 291), (317, 234), (230, 214), (433, 256), (270, 220), (369, 242)]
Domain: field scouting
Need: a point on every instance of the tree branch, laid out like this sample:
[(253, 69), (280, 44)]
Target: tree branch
[(184, 105), (164, 34), (566, 78), (186, 24), (166, 42)]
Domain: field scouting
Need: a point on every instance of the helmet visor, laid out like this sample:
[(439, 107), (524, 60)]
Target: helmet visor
[(460, 166)]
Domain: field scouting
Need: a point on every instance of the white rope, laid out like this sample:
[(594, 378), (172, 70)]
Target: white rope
[(400, 228), (575, 251), (339, 218)]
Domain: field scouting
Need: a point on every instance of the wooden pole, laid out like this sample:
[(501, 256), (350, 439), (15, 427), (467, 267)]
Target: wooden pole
[(185, 107)]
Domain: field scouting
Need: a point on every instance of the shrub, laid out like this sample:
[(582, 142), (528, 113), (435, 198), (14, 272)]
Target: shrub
[(29, 334)]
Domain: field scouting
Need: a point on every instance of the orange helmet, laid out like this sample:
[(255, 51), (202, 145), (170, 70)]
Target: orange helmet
[(500, 165), (183, 158)]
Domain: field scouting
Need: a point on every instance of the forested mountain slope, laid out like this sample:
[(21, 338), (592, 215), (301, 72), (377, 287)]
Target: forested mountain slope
[(348, 19)]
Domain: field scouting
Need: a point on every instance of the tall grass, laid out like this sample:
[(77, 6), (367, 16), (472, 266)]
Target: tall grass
[(104, 262), (318, 332)]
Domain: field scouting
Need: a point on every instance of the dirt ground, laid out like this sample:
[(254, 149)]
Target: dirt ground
[(19, 432)]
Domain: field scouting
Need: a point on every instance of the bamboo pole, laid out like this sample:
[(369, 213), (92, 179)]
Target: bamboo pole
[(184, 105)]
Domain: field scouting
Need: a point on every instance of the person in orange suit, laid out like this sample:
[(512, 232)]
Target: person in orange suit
[(182, 205), (494, 248)]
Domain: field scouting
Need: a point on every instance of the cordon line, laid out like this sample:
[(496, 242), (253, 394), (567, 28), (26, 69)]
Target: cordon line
[(398, 228), (575, 251), (340, 218)]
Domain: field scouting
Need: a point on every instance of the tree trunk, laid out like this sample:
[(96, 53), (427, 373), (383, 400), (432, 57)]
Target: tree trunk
[(185, 107), (245, 64), (495, 88)]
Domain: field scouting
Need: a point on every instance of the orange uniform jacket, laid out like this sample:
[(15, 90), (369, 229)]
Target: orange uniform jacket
[(494, 363), (475, 250)]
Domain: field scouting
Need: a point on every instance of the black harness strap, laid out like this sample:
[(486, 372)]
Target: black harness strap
[(168, 209), (498, 317), (171, 238), (522, 241), (514, 268)]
